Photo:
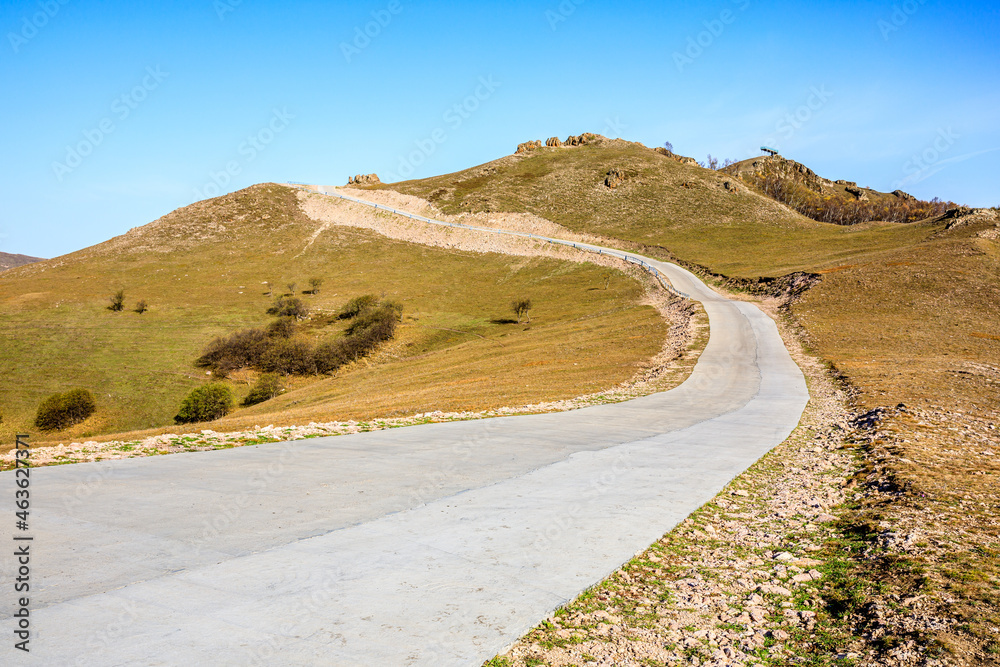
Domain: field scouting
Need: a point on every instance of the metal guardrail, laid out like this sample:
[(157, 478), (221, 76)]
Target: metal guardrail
[(610, 252)]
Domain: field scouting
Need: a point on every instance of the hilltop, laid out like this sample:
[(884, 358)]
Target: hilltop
[(9, 261)]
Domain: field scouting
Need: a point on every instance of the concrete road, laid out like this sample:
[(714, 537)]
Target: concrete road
[(429, 545)]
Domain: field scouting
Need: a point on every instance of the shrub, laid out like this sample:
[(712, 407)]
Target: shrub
[(60, 411), (289, 357), (117, 301), (267, 387), (371, 327), (281, 328), (289, 307), (237, 350), (141, 307), (205, 404), (314, 285), (331, 355), (357, 305)]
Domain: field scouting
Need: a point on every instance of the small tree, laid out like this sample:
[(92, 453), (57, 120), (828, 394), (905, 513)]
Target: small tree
[(711, 163), (267, 387), (314, 285), (607, 279), (291, 288), (141, 307), (270, 287), (669, 146), (117, 301), (521, 308), (205, 404)]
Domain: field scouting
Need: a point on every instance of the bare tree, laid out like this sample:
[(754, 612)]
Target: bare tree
[(291, 288), (669, 146), (521, 308), (314, 285)]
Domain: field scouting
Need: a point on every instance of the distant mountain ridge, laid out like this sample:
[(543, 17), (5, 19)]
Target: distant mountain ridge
[(9, 261)]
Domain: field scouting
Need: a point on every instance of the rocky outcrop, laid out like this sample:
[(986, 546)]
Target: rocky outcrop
[(614, 178), (553, 142), (528, 146), (730, 187), (778, 166), (364, 179), (857, 192), (580, 139), (904, 196)]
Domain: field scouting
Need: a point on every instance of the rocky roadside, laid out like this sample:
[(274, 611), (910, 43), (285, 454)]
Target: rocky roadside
[(747, 579)]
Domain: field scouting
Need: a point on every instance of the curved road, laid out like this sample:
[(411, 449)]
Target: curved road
[(429, 545)]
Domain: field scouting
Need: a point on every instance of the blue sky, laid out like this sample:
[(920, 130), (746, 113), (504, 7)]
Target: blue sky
[(115, 113)]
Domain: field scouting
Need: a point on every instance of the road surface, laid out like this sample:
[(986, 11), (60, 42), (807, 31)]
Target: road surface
[(434, 545)]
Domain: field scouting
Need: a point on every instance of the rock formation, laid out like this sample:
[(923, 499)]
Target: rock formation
[(364, 179), (527, 146), (553, 142)]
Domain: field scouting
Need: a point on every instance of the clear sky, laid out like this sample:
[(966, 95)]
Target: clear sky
[(115, 113)]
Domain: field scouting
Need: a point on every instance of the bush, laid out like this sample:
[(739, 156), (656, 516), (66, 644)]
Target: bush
[(281, 328), (357, 305), (371, 327), (238, 350), (60, 411), (289, 357), (205, 404), (117, 301), (289, 307), (314, 285), (267, 387), (141, 307)]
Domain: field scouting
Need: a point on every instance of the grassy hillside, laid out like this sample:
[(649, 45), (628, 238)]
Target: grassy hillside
[(202, 268), (907, 313), (889, 291)]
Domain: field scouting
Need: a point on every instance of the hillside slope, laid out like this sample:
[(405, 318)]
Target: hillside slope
[(908, 314), (202, 270), (9, 261)]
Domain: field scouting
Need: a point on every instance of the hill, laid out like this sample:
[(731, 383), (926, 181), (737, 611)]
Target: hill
[(202, 271), (9, 261), (840, 202), (906, 314)]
